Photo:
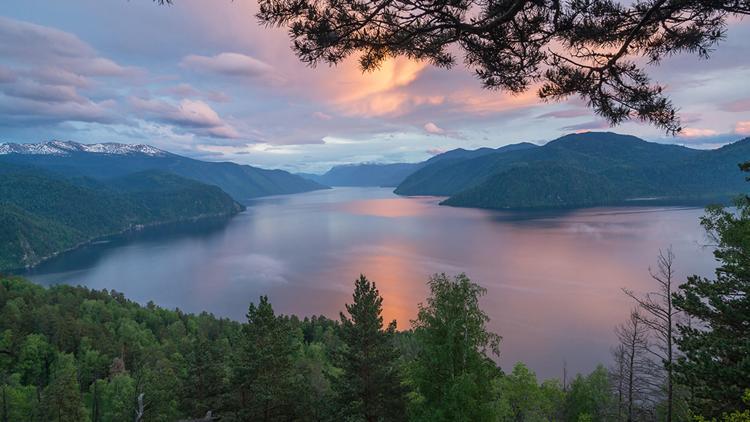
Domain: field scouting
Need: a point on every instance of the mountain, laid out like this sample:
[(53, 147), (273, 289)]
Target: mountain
[(392, 175), (111, 160), (585, 169), (365, 174), (436, 178), (42, 214)]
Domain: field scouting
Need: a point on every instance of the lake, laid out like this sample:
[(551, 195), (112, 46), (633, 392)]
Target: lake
[(553, 279)]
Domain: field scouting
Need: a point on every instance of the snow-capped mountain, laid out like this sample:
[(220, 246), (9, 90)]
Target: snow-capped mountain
[(68, 147)]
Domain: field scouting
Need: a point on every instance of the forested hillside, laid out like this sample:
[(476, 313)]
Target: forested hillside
[(42, 214), (106, 161), (584, 170), (392, 175)]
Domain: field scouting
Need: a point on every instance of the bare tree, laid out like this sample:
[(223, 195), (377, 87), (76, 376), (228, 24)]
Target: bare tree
[(635, 374), (660, 317)]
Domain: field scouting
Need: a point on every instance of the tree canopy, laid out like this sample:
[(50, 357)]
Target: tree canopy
[(595, 49)]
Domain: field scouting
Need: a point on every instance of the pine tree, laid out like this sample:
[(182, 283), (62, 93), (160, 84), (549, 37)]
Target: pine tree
[(369, 387), (716, 343), (264, 368), (453, 372)]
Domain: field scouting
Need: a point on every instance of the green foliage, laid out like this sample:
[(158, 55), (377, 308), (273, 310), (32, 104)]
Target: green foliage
[(589, 398), (716, 342), (263, 373), (369, 386), (61, 399), (42, 214), (521, 398), (452, 373), (240, 181), (70, 353), (584, 170)]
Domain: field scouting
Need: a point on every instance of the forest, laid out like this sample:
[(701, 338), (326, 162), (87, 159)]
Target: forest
[(74, 354)]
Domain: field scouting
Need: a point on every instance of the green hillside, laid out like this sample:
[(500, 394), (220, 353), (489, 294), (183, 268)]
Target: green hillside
[(242, 182), (42, 214), (584, 170)]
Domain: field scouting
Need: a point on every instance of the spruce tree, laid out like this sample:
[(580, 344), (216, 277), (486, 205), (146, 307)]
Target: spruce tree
[(369, 387), (264, 372), (716, 342)]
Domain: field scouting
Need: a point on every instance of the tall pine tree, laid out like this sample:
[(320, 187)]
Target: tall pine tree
[(716, 343), (369, 387)]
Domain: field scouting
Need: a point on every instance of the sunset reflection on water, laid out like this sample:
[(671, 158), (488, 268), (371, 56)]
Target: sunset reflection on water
[(553, 279)]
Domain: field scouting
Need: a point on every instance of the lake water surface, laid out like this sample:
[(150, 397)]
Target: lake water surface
[(554, 279)]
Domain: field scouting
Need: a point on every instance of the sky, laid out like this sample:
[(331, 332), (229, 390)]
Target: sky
[(201, 78)]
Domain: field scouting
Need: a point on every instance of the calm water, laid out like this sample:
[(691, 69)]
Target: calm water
[(553, 279)]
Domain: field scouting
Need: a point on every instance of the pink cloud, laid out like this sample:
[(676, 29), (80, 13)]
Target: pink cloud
[(434, 129), (230, 64), (322, 116), (689, 132), (737, 106), (742, 127)]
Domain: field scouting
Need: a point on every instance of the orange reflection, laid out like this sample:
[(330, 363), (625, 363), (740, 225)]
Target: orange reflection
[(392, 208)]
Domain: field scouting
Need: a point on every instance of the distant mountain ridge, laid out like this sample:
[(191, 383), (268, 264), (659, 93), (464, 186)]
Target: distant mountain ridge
[(588, 169), (109, 160), (391, 175), (67, 147)]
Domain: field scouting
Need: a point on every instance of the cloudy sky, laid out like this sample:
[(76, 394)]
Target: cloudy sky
[(201, 78)]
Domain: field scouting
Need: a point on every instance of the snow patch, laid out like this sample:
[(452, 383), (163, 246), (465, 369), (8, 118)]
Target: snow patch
[(69, 147)]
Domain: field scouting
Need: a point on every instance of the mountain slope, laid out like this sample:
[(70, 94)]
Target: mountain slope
[(110, 160), (618, 168), (392, 175), (366, 174), (452, 171), (42, 214)]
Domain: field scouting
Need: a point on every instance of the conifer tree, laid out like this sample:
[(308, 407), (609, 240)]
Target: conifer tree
[(716, 343), (264, 371), (370, 387)]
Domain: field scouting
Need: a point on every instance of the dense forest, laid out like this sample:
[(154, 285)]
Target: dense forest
[(74, 354), (584, 169), (43, 213)]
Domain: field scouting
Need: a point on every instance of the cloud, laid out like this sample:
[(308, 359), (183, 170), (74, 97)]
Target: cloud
[(736, 106), (6, 75), (435, 151), (689, 132), (20, 111), (228, 64), (567, 113), (434, 129), (32, 90), (586, 126), (41, 45), (193, 116), (742, 127), (322, 116), (185, 90)]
